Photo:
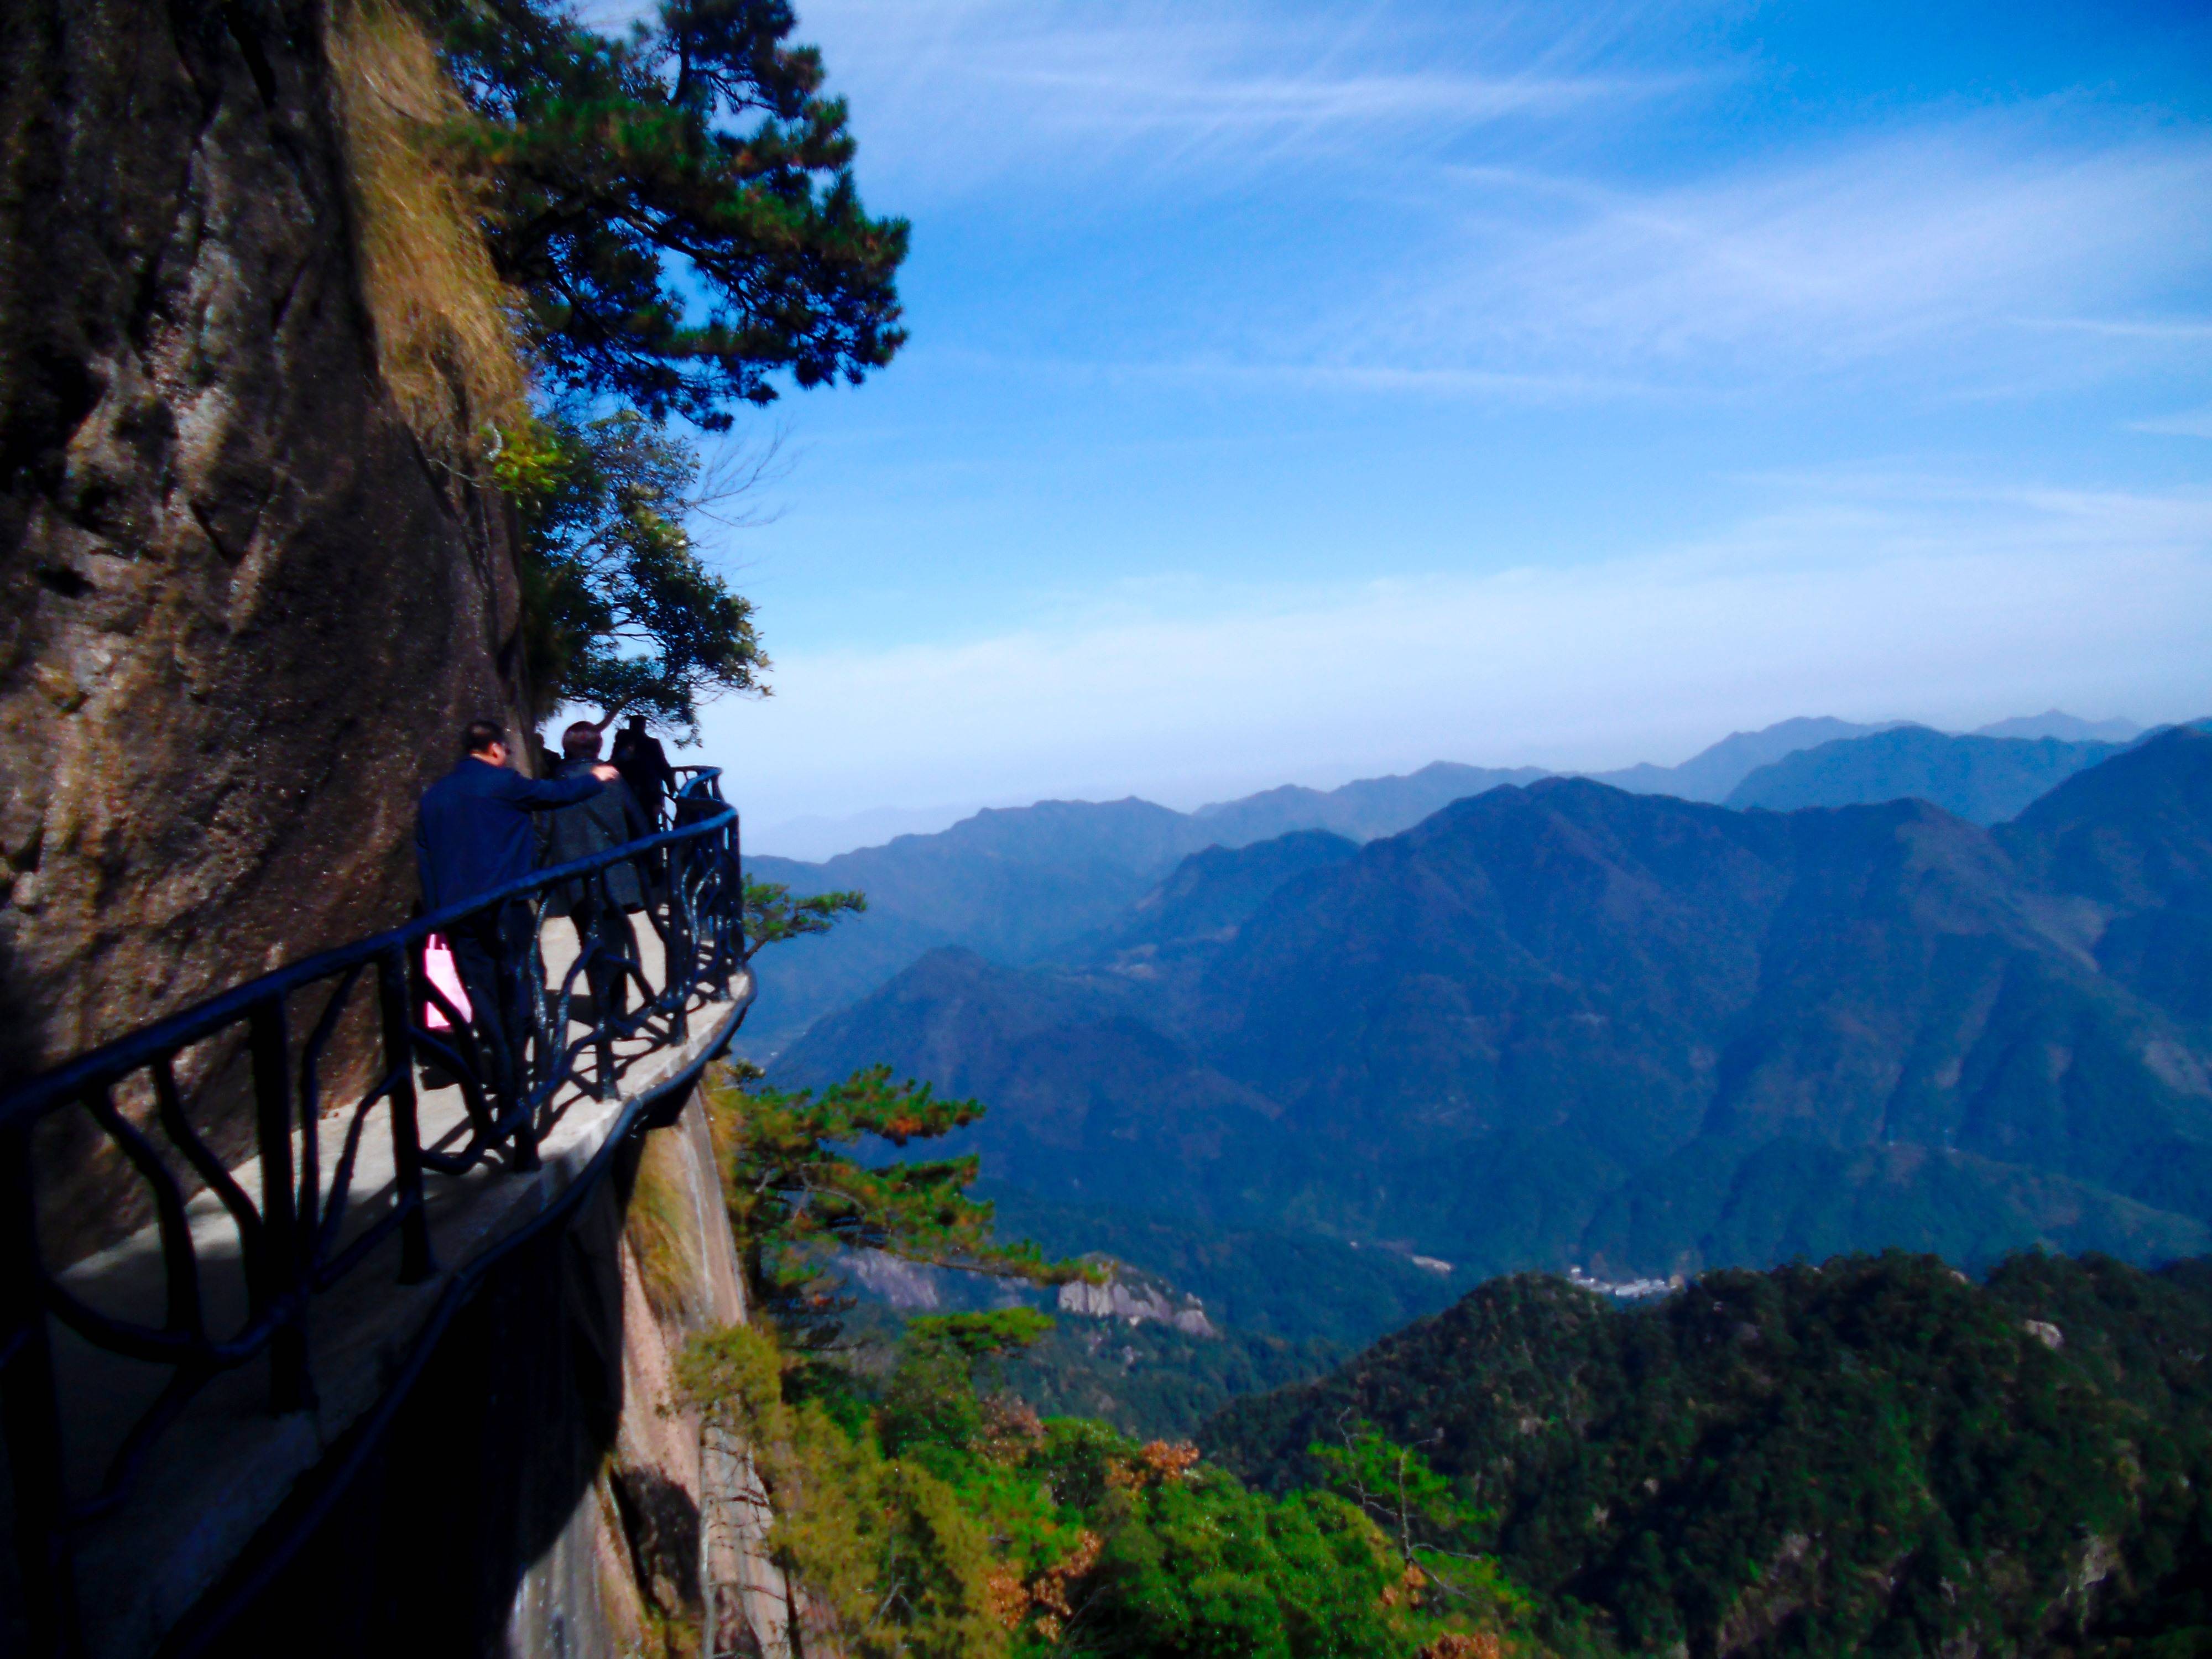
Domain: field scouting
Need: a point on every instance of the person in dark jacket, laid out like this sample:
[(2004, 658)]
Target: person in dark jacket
[(644, 765), (599, 904), (473, 835)]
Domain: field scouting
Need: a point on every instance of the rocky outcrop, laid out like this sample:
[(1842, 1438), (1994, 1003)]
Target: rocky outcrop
[(896, 1282), (245, 609), (1136, 1297)]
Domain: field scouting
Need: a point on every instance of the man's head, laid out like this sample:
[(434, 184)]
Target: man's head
[(636, 723), (486, 740), (581, 741)]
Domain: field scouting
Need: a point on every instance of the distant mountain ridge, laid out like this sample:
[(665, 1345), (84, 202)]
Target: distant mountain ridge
[(1020, 885), (1361, 810), (2068, 728), (1711, 774), (1562, 1022), (1983, 779)]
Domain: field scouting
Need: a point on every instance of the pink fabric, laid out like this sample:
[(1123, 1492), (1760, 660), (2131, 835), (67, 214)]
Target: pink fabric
[(438, 964)]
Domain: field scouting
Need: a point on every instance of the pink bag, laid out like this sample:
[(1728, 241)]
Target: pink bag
[(438, 966)]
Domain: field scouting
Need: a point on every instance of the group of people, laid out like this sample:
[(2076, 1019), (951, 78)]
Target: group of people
[(484, 826)]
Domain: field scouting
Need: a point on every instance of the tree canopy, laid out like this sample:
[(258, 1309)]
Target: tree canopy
[(926, 1514), (621, 610), (799, 1193), (675, 207), (673, 214), (1871, 1456), (773, 915)]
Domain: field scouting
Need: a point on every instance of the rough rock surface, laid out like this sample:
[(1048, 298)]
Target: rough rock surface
[(1136, 1299), (243, 611)]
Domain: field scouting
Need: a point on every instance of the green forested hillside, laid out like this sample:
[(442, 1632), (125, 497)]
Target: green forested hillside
[(1147, 1379), (1872, 1456)]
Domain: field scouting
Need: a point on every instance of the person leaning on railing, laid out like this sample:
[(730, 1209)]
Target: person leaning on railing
[(474, 833)]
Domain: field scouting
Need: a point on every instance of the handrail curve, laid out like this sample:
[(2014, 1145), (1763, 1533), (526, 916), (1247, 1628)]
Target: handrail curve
[(291, 1235)]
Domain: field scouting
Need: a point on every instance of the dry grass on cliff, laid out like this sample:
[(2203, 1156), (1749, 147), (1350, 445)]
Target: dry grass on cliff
[(660, 1226), (446, 344)]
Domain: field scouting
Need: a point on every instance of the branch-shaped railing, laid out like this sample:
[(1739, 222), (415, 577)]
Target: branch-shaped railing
[(370, 1035)]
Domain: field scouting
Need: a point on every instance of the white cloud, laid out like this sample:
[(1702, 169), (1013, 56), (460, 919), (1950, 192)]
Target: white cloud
[(1877, 599)]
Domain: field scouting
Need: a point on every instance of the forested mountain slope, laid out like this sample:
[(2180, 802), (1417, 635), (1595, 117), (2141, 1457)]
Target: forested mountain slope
[(1874, 1456), (1566, 1024)]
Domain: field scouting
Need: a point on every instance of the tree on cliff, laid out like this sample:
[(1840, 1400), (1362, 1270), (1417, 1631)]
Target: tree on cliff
[(799, 1193), (675, 208), (619, 608)]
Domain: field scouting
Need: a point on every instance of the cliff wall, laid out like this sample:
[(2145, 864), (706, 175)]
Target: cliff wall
[(245, 604)]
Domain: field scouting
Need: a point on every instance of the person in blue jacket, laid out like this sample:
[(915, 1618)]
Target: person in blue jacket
[(474, 833)]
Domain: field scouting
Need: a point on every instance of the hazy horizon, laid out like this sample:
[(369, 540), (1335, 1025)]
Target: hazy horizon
[(814, 836), (1300, 393)]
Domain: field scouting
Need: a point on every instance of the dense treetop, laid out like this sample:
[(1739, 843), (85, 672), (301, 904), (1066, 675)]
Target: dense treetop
[(677, 207), (1871, 1456)]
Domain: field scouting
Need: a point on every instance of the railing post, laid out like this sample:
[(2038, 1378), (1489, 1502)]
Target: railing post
[(680, 969), (608, 989), (736, 943), (529, 1064), (285, 1261), (30, 1411), (416, 1261)]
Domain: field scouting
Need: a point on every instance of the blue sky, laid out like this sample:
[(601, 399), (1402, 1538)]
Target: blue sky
[(1299, 392)]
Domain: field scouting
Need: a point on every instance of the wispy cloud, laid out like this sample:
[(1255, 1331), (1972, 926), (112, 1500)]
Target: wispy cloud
[(961, 95), (1874, 599), (1940, 255), (1491, 196), (1943, 250), (2187, 329)]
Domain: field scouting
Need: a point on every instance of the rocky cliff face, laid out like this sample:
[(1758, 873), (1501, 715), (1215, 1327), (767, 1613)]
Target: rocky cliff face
[(1136, 1297), (245, 610)]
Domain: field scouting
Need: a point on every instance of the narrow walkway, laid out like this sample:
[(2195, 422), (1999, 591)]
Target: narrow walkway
[(225, 1465)]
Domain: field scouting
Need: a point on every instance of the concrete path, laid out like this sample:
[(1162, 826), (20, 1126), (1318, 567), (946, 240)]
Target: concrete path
[(220, 1471)]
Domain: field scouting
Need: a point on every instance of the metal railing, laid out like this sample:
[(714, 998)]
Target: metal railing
[(367, 1008)]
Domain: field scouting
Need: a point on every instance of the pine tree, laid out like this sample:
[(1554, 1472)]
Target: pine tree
[(675, 208)]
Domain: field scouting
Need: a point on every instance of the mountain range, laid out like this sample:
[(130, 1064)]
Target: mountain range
[(1020, 884), (1985, 780), (1559, 1022)]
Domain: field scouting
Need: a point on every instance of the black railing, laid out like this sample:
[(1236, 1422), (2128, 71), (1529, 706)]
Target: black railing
[(367, 1009)]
